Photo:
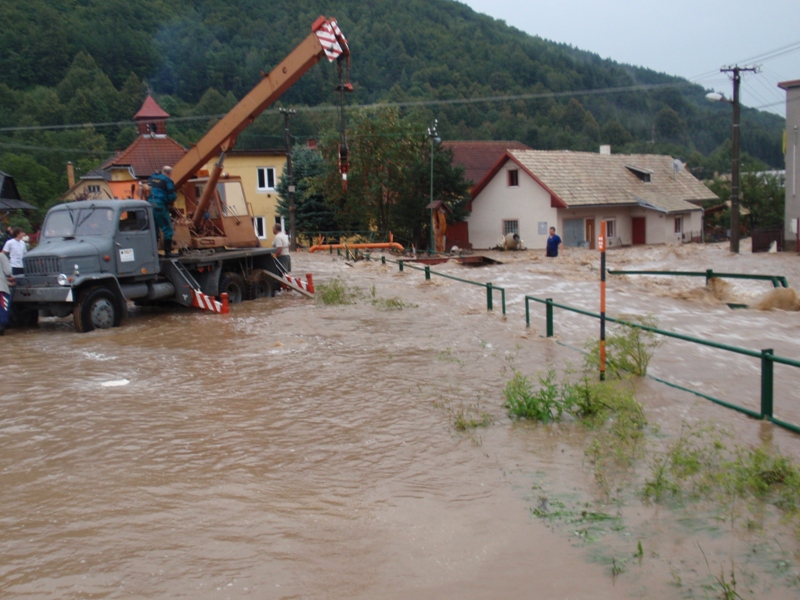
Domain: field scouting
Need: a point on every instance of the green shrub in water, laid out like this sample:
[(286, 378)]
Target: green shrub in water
[(335, 291), (628, 349)]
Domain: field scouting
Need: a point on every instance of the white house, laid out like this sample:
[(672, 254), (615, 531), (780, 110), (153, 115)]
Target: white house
[(644, 199)]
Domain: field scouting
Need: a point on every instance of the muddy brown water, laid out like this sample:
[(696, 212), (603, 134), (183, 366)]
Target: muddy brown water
[(293, 450)]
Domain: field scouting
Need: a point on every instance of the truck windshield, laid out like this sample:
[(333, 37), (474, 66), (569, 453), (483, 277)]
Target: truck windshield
[(78, 223)]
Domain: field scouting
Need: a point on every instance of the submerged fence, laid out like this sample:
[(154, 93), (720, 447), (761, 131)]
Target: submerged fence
[(767, 357), (776, 280), (490, 287)]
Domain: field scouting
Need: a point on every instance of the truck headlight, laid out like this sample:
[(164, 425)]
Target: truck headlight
[(62, 279)]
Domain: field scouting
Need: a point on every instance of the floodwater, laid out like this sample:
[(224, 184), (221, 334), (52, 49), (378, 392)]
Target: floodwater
[(296, 450)]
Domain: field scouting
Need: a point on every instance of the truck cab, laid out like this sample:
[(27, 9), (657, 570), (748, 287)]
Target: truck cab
[(106, 245)]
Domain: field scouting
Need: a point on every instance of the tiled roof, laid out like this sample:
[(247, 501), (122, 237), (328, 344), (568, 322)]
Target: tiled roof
[(478, 157), (151, 110), (148, 154), (589, 179)]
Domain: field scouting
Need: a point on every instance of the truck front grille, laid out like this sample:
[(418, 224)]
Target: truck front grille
[(44, 265)]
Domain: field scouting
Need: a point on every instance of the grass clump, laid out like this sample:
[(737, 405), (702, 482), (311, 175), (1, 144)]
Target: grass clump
[(701, 465), (591, 402), (387, 303), (629, 349), (523, 402), (465, 417), (336, 291)]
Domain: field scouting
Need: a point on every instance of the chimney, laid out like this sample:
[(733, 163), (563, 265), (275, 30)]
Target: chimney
[(605, 149), (70, 175)]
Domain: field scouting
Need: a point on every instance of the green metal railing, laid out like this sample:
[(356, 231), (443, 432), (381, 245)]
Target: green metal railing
[(768, 359), (777, 280), (490, 287)]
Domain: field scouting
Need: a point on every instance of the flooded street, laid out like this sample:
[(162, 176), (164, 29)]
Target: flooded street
[(298, 450)]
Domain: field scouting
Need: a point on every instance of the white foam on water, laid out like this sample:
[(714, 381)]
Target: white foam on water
[(115, 383)]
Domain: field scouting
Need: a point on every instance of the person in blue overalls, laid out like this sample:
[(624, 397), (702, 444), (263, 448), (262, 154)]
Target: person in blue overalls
[(162, 196)]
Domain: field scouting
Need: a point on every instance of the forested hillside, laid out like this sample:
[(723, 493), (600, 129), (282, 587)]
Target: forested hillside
[(91, 61)]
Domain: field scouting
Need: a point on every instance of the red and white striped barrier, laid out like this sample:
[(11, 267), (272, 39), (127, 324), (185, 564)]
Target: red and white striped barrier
[(307, 285), (204, 302)]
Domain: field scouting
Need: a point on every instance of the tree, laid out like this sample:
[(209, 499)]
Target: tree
[(312, 214), (763, 195), (382, 146), (390, 175), (669, 124), (615, 134)]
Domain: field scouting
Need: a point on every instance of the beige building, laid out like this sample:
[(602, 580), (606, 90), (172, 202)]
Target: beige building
[(643, 198), (792, 158), (260, 171)]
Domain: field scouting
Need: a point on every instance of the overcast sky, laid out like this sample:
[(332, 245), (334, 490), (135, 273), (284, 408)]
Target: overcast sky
[(692, 39)]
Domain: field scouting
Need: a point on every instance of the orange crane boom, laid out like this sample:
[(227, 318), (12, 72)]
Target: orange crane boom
[(325, 39)]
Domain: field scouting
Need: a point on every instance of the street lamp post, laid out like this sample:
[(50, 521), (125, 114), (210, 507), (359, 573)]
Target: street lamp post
[(735, 141), (433, 134), (287, 113)]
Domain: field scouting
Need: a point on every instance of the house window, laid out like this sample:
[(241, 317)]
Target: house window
[(513, 178), (266, 179), (510, 226), (611, 228), (678, 224), (260, 225), (92, 189)]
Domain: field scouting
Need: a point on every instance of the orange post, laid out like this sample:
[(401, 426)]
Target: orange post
[(225, 308), (310, 281)]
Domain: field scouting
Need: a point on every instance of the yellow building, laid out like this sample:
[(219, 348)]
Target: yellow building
[(260, 171)]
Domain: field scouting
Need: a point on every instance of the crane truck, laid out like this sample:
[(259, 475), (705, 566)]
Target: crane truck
[(96, 255)]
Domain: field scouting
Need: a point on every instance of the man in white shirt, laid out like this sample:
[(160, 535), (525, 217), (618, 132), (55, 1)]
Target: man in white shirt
[(281, 243), (15, 248)]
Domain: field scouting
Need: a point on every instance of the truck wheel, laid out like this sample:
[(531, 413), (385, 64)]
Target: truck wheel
[(260, 285), (97, 308), (23, 317), (233, 285)]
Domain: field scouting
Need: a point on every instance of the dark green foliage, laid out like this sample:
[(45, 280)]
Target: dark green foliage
[(312, 214), (390, 175), (80, 61)]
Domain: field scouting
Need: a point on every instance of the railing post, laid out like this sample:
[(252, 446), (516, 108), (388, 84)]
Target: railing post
[(489, 296), (549, 313), (400, 263), (527, 312), (503, 297), (767, 383), (383, 260), (427, 273), (709, 275)]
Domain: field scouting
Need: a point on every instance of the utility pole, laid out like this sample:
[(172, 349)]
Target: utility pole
[(287, 113), (735, 195)]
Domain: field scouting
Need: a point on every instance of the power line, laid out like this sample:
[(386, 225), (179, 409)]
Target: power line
[(407, 104)]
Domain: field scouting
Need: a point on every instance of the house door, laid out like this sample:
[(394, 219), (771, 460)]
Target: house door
[(639, 231), (590, 233), (573, 232)]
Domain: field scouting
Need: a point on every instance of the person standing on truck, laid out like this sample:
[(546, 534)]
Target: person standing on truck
[(281, 243), (15, 249), (6, 280), (162, 196)]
